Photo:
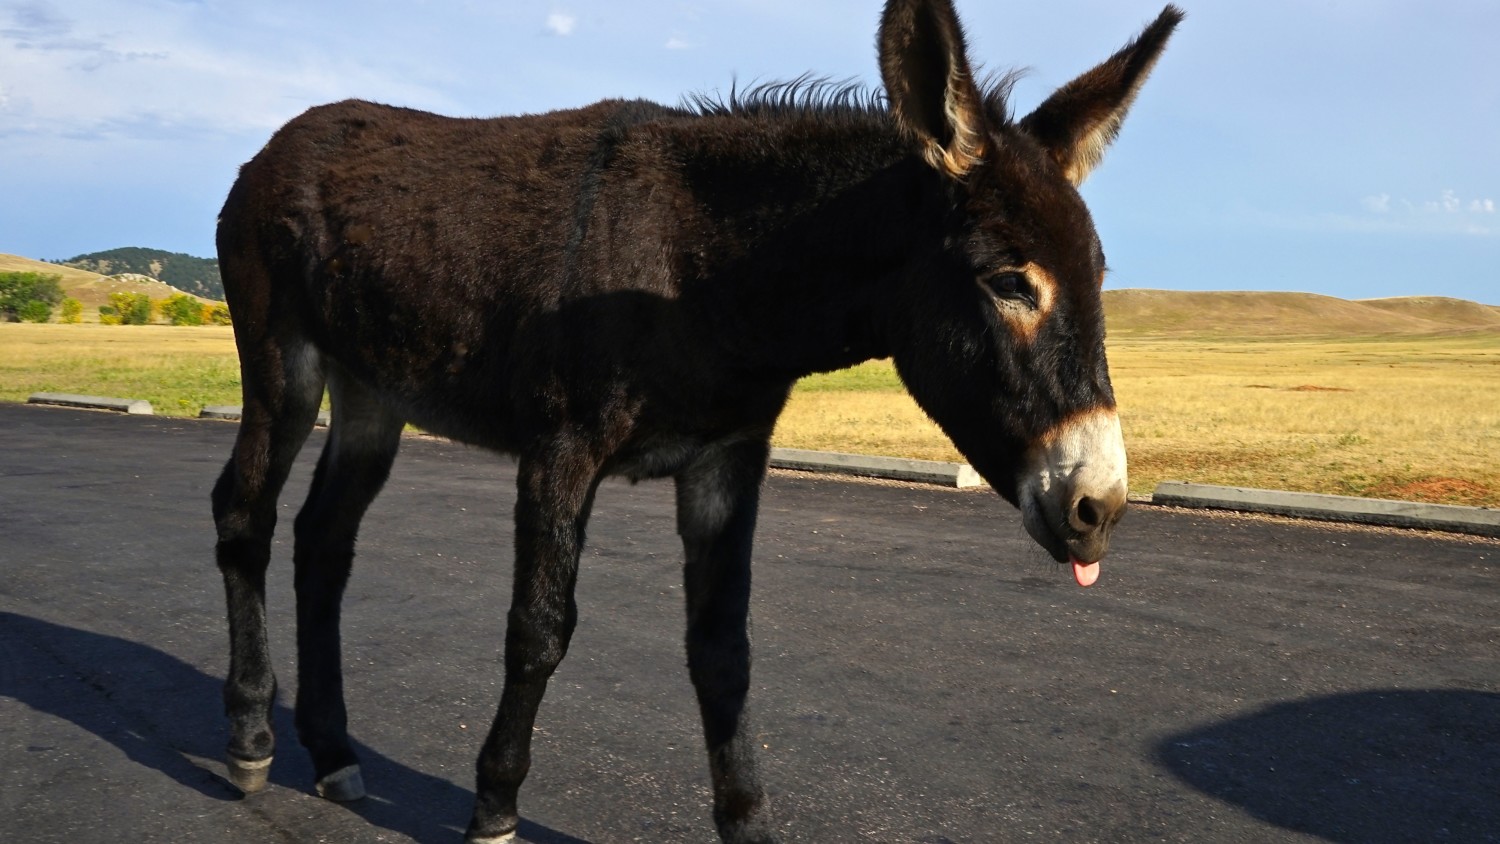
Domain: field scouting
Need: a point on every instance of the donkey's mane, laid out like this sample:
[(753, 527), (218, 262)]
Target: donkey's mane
[(804, 96), (819, 96)]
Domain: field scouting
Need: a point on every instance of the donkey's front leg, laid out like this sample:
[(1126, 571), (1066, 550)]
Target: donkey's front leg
[(554, 494), (717, 498)]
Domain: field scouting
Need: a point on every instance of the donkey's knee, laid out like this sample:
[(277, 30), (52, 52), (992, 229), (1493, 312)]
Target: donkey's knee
[(536, 640)]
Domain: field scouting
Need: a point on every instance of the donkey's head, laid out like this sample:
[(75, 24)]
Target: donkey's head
[(1002, 323)]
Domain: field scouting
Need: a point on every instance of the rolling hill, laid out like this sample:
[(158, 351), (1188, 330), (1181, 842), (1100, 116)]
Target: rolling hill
[(90, 288), (198, 276), (1132, 312), (1176, 313)]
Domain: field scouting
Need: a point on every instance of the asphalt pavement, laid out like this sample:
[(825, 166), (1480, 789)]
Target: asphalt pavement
[(922, 672)]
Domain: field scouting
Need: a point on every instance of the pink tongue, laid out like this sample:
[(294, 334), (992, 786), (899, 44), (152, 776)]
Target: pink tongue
[(1085, 573)]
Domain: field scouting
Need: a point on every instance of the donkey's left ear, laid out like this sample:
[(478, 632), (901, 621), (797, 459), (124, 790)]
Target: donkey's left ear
[(1081, 118)]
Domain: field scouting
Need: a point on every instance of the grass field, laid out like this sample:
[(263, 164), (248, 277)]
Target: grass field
[(1409, 417), (179, 369)]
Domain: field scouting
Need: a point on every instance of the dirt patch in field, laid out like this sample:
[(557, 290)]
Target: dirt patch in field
[(1436, 490)]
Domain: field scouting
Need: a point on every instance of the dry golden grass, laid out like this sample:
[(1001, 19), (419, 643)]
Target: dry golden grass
[(1415, 418), (179, 369), (1407, 417), (1411, 417)]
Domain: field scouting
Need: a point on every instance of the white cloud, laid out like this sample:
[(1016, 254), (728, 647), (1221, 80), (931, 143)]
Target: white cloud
[(675, 43), (36, 20), (163, 71), (1449, 213), (561, 23)]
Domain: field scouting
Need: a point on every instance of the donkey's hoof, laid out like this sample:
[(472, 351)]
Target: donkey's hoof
[(342, 786), (248, 775), (493, 839)]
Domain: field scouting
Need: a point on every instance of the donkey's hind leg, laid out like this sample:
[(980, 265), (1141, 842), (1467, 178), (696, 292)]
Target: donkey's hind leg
[(717, 499), (283, 384), (353, 467)]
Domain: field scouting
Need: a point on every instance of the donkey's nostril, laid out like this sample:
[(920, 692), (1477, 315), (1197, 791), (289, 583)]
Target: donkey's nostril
[(1089, 512), (1094, 514)]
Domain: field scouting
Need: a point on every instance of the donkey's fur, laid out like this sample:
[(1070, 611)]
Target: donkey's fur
[(630, 289)]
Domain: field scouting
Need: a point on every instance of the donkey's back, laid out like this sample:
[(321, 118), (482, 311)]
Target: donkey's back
[(447, 265)]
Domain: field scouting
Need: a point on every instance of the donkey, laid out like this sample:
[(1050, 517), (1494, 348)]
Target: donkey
[(631, 290)]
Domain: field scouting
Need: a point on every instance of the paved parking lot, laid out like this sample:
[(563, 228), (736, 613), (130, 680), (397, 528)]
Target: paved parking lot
[(922, 673)]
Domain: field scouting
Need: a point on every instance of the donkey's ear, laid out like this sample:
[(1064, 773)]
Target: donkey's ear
[(1080, 119), (928, 82)]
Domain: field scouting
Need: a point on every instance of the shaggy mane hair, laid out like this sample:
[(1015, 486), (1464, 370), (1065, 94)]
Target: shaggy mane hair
[(818, 96)]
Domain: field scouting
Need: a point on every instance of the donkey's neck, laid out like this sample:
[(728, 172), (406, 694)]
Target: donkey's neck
[(805, 219)]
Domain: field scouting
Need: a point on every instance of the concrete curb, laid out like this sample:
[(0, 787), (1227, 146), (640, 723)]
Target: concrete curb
[(139, 407), (1478, 521), (960, 475), (233, 413)]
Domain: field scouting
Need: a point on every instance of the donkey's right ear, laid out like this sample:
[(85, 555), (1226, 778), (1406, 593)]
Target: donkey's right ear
[(932, 94)]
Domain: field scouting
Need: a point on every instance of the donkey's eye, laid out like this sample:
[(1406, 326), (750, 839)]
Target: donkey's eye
[(1011, 285)]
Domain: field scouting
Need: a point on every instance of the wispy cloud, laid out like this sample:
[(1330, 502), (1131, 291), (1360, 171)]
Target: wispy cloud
[(676, 43), (1447, 213), (1449, 202), (157, 71), (35, 21), (561, 23)]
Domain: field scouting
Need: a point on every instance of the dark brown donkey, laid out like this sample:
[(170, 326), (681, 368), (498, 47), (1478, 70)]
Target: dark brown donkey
[(630, 289)]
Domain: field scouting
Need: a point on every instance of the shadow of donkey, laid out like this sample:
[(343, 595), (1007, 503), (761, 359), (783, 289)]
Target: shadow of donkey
[(161, 712), (1360, 767)]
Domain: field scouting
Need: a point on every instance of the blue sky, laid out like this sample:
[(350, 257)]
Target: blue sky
[(1346, 147)]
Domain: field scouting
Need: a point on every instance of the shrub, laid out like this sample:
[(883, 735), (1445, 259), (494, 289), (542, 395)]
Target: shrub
[(182, 309), (72, 311), (35, 310), (216, 314), (19, 290), (129, 308)]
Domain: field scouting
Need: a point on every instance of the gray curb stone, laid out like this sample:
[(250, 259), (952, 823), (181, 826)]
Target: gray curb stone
[(1479, 521), (135, 406), (232, 413), (960, 475)]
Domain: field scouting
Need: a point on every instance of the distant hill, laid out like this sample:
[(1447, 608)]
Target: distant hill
[(198, 276), (1177, 313), (90, 288), (1129, 313)]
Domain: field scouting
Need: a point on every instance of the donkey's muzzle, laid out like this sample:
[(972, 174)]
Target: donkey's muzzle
[(1072, 490)]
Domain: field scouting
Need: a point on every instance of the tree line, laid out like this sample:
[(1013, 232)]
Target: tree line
[(184, 272), (33, 297)]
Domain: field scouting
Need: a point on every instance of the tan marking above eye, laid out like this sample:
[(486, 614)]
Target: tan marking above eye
[(1026, 320)]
